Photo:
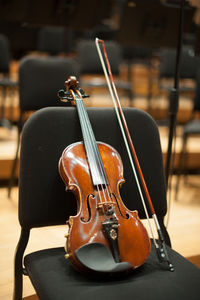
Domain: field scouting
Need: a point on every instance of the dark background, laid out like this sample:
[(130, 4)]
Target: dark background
[(146, 23)]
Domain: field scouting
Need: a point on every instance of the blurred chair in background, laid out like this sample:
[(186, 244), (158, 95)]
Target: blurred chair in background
[(139, 55), (39, 81), (100, 31), (90, 65), (7, 85), (192, 128), (188, 69), (55, 40)]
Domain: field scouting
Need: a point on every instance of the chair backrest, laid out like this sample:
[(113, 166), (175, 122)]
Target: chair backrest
[(189, 63), (40, 78), (196, 100), (55, 40), (89, 59), (135, 53), (4, 54), (42, 197)]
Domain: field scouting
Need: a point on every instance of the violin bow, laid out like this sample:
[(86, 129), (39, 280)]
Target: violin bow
[(160, 247)]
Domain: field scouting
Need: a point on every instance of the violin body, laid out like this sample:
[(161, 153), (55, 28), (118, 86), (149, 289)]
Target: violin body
[(104, 236), (127, 238)]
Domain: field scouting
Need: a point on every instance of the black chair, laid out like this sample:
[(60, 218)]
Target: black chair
[(191, 128), (133, 55), (188, 68), (90, 64), (55, 40), (39, 82), (43, 201), (7, 84)]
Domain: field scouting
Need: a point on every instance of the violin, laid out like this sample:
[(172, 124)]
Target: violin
[(104, 236)]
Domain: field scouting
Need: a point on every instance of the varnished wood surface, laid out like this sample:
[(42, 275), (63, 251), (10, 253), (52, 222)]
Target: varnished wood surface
[(32, 297), (195, 259)]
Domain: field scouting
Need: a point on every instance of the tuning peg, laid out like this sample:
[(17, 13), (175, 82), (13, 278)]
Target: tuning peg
[(64, 96)]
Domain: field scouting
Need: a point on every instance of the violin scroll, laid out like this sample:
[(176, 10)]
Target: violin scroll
[(71, 85)]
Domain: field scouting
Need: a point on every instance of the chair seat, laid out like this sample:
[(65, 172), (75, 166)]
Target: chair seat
[(98, 82), (53, 277), (7, 82), (182, 88), (192, 127)]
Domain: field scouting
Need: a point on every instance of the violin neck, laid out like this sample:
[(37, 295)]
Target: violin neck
[(92, 152)]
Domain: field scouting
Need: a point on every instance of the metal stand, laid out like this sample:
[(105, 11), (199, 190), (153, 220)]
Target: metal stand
[(174, 95)]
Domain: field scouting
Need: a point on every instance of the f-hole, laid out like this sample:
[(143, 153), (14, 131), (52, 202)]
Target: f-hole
[(126, 216), (88, 208)]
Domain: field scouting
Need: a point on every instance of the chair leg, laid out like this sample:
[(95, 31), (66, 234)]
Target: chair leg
[(150, 85), (130, 91), (12, 92), (14, 165), (4, 122), (18, 267), (180, 166)]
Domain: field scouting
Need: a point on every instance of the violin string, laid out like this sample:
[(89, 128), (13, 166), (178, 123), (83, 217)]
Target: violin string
[(98, 156), (87, 140), (125, 139), (89, 137), (102, 169)]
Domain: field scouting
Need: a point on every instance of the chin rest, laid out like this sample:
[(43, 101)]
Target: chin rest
[(98, 257)]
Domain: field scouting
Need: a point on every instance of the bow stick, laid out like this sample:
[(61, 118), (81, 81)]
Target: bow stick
[(160, 247)]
